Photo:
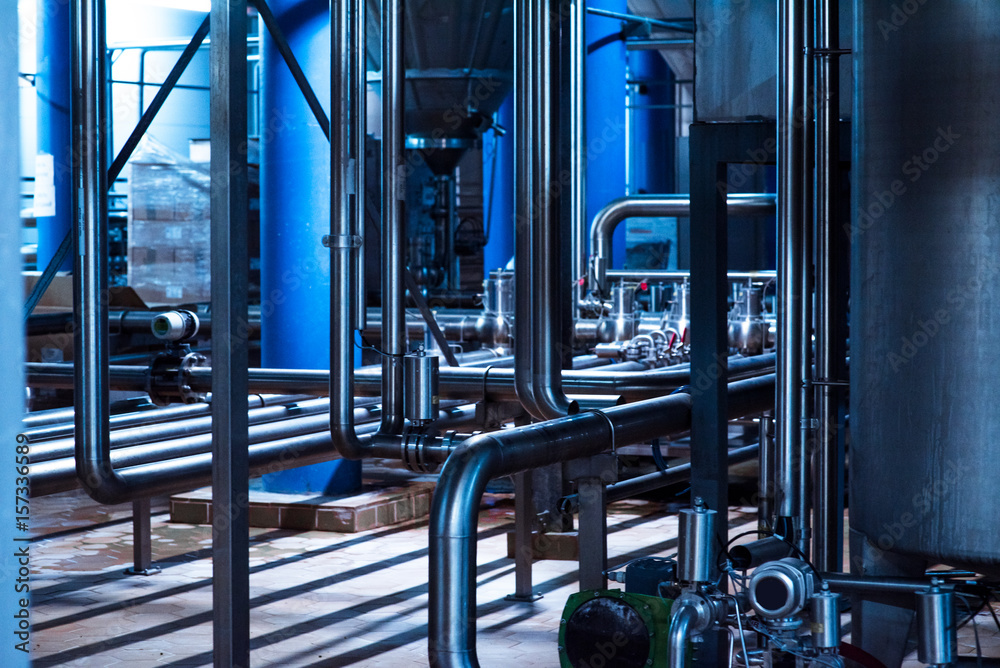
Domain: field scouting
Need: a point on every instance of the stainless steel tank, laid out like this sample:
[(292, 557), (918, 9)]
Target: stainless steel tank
[(925, 363), (459, 59)]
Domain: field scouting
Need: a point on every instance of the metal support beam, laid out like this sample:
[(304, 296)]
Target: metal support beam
[(592, 475), (524, 549), (230, 466), (142, 545)]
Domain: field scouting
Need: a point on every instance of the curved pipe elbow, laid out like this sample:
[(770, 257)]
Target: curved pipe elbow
[(680, 629), (102, 483), (550, 402), (348, 444)]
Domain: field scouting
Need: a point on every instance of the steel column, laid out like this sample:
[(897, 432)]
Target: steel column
[(828, 467), (142, 547), (524, 549), (230, 269)]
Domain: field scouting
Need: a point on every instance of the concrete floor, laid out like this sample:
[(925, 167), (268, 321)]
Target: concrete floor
[(317, 599)]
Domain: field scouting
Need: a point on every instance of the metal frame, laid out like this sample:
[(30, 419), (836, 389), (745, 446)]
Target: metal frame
[(713, 147), (230, 355)]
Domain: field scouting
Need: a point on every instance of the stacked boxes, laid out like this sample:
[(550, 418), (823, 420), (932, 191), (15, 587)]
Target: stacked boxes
[(169, 229)]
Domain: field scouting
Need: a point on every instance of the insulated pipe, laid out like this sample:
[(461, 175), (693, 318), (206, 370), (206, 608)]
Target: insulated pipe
[(470, 383), (652, 206), (455, 507), (537, 354)]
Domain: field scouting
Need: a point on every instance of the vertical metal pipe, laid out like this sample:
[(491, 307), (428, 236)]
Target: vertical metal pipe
[(791, 98), (230, 356), (578, 137), (347, 38), (358, 87), (393, 233), (538, 368), (765, 473), (828, 503)]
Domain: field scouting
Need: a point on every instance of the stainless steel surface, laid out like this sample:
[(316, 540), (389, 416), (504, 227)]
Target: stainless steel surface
[(455, 507), (791, 460), (765, 472), (420, 373), (828, 482), (936, 632), (735, 54), (125, 437), (90, 275), (346, 125), (695, 543), (781, 589), (681, 620), (924, 272), (175, 325), (538, 350), (230, 349), (472, 383), (459, 58), (653, 206), (824, 613), (357, 42), (393, 219), (578, 138)]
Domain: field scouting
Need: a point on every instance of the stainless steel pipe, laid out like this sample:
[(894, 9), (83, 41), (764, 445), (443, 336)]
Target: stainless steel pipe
[(537, 347), (651, 206), (468, 383), (455, 507), (828, 461), (791, 457)]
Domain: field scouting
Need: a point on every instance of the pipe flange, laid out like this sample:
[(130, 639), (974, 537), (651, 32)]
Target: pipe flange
[(168, 378), (414, 452), (704, 607)]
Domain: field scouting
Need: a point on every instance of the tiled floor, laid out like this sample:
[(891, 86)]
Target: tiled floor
[(317, 599)]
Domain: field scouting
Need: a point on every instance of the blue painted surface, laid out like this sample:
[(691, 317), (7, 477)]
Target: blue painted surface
[(653, 129), (294, 216), (606, 117), (54, 90), (498, 190)]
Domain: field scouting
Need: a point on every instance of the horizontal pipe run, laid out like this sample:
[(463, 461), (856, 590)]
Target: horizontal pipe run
[(653, 206), (840, 582), (186, 419), (173, 466), (455, 507), (458, 383), (120, 322), (632, 487), (181, 429)]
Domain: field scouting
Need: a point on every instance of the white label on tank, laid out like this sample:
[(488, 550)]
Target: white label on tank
[(45, 186)]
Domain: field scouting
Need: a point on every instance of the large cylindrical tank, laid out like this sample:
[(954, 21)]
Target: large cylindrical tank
[(294, 216), (925, 424)]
